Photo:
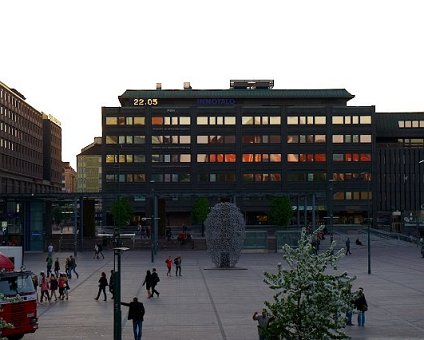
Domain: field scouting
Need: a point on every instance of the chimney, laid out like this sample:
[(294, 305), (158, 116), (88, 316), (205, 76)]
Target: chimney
[(187, 85), (158, 86)]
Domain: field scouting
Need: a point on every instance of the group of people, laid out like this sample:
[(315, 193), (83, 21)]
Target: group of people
[(50, 286), (177, 262)]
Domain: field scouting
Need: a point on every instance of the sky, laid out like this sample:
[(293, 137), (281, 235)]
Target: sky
[(71, 58)]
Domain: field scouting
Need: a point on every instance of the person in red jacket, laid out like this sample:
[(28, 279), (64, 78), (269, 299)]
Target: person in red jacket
[(168, 262)]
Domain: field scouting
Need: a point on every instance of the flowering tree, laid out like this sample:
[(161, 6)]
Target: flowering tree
[(311, 302)]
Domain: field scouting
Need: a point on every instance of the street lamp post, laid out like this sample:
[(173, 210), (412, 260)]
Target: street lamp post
[(117, 314), (369, 196)]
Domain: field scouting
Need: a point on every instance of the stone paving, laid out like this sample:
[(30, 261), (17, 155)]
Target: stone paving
[(218, 304)]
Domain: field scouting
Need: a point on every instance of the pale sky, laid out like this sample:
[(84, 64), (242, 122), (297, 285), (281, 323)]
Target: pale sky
[(70, 58)]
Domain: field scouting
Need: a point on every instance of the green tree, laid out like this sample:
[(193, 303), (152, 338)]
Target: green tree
[(280, 211), (311, 302), (122, 211), (200, 210), (58, 215)]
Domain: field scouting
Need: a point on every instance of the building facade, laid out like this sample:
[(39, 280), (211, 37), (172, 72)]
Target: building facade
[(245, 144), (69, 178), (89, 167)]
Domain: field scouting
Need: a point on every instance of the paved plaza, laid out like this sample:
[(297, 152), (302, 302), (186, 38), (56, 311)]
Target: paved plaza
[(218, 304)]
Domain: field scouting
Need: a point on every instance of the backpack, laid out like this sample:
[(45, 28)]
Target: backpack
[(175, 261)]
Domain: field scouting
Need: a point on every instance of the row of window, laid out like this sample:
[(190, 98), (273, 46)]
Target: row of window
[(352, 195), (245, 120), (231, 139), (232, 157), (408, 124), (125, 178)]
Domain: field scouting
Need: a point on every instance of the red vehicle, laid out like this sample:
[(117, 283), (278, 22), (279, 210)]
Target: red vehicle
[(22, 314)]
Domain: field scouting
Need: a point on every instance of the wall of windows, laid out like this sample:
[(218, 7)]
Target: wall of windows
[(171, 177), (216, 120), (125, 139), (128, 158), (410, 124), (352, 176), (306, 120), (213, 139), (352, 195), (171, 139), (306, 176), (125, 178), (168, 120), (308, 139), (216, 158), (261, 139), (261, 157), (339, 139), (171, 158), (351, 120), (125, 120), (261, 120), (306, 157), (351, 157), (217, 178), (261, 177)]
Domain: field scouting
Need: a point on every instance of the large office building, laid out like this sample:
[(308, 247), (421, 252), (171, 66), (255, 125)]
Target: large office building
[(245, 144), (30, 163), (89, 167)]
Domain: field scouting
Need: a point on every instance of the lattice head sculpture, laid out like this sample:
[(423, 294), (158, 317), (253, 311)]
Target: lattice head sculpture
[(225, 230)]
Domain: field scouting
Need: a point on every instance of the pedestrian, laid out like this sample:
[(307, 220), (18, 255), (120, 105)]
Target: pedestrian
[(102, 286), (348, 246), (73, 265), (49, 261), (263, 320), (61, 285), (54, 284), (111, 283), (361, 305), (50, 249), (100, 251), (56, 267), (35, 283), (148, 282), (136, 314), (155, 280), (44, 286), (168, 262), (68, 267), (96, 252), (177, 262)]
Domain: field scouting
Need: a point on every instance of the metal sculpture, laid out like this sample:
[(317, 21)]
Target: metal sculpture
[(225, 234)]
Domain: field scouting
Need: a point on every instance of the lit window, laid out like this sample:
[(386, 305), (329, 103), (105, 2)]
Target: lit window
[(337, 120), (365, 138), (292, 120), (202, 120), (247, 120), (230, 120), (139, 120), (275, 120), (365, 119), (320, 120), (111, 120)]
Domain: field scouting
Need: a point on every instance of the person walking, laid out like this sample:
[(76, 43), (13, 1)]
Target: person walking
[(111, 283), (56, 267), (136, 314), (49, 261), (50, 249), (263, 320), (177, 262), (361, 305), (348, 246), (44, 286), (100, 251), (168, 262), (155, 280), (102, 286), (54, 284), (73, 265), (148, 282)]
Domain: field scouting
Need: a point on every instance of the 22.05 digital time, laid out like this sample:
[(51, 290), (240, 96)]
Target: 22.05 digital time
[(145, 102)]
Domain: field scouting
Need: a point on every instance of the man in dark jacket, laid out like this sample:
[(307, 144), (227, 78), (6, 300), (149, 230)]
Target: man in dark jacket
[(136, 314)]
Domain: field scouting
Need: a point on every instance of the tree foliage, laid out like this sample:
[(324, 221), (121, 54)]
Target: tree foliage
[(200, 210), (281, 211), (310, 302), (122, 211)]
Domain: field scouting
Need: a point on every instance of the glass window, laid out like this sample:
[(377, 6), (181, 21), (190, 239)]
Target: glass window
[(355, 138), (401, 124), (212, 120), (185, 158), (337, 120), (167, 158), (338, 139), (129, 120), (347, 138), (121, 139), (219, 120), (202, 139), (319, 138), (156, 120), (355, 120), (248, 177), (110, 158), (202, 120), (121, 120), (229, 139), (201, 158), (185, 120), (184, 177), (212, 178), (257, 120), (157, 139), (167, 121), (274, 120), (302, 120), (111, 139), (174, 121), (415, 123), (292, 120), (110, 178), (365, 119), (129, 140), (230, 120), (302, 139), (111, 120), (310, 120), (247, 158), (203, 178), (139, 120), (348, 120), (408, 123), (247, 120), (130, 158), (292, 139), (185, 139), (338, 157), (320, 157), (139, 158), (274, 139), (265, 120), (320, 120), (130, 178), (292, 157), (139, 139)]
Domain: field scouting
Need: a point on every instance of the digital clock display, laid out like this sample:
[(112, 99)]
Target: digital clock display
[(145, 102)]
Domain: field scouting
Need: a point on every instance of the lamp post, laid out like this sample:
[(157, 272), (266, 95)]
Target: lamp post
[(330, 204), (117, 314), (369, 196)]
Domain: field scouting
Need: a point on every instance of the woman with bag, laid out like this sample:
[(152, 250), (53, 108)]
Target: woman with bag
[(102, 286)]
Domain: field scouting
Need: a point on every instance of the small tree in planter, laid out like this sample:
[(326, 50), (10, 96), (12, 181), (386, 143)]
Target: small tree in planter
[(200, 211), (311, 302)]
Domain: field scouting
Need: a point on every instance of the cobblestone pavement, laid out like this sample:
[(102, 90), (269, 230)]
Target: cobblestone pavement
[(218, 304)]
